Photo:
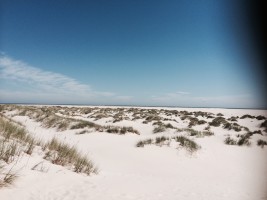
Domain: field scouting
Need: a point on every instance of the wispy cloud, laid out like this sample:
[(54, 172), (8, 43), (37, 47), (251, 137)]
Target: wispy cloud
[(22, 82), (46, 81)]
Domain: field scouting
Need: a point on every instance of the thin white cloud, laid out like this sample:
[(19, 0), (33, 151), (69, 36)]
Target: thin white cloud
[(43, 80), (21, 82)]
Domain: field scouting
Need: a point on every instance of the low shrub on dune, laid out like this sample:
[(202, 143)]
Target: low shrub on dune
[(63, 154), (261, 143)]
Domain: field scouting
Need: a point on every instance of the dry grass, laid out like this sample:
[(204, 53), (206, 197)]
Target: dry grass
[(218, 121), (190, 145), (84, 124), (242, 141), (261, 143), (230, 141), (65, 155), (14, 141), (120, 130), (159, 129), (49, 119), (142, 143), (13, 135), (193, 132), (6, 178)]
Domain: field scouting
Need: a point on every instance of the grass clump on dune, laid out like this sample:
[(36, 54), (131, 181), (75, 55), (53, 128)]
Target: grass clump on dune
[(233, 119), (160, 140), (83, 124), (189, 144), (207, 133), (247, 116), (242, 141), (264, 125), (142, 143), (63, 154), (230, 126), (7, 178), (12, 133), (260, 117), (217, 121), (193, 132), (49, 118), (261, 143), (229, 141), (14, 141), (157, 141), (152, 117), (120, 130), (129, 129), (159, 129), (195, 121)]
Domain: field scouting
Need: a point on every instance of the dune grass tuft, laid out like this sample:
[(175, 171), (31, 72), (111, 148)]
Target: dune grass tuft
[(6, 178), (65, 155), (189, 144), (261, 143), (229, 141)]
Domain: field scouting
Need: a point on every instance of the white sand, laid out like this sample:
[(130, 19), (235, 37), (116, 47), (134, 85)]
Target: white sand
[(217, 171)]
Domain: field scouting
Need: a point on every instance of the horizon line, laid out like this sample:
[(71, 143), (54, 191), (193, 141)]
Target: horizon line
[(133, 105)]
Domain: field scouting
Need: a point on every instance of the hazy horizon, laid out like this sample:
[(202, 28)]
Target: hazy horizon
[(125, 105)]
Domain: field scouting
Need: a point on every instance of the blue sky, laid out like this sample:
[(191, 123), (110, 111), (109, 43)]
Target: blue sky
[(172, 53)]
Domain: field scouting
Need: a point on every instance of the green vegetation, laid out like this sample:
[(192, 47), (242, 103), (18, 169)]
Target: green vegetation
[(243, 140), (229, 141), (247, 116), (159, 129), (233, 126), (120, 130), (218, 121), (62, 154), (189, 144), (260, 117), (142, 143), (83, 124), (261, 143), (15, 141), (49, 118)]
